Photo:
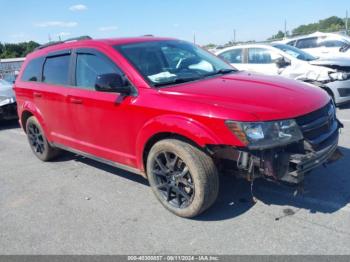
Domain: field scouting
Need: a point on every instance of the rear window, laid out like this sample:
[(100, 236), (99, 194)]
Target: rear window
[(32, 72), (56, 70)]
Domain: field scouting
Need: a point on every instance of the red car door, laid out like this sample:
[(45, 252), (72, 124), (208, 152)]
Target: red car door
[(101, 126), (51, 97)]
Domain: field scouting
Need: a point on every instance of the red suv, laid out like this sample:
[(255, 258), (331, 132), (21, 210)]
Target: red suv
[(174, 113)]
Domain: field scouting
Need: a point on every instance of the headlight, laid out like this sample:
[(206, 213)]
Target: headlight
[(4, 100), (262, 135), (339, 76)]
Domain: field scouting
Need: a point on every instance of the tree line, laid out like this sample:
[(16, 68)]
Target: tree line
[(17, 50), (330, 24)]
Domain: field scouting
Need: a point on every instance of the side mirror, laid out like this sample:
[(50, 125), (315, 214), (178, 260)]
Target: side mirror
[(112, 83), (281, 62)]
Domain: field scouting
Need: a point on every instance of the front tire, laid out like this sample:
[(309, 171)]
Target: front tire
[(38, 142), (183, 178)]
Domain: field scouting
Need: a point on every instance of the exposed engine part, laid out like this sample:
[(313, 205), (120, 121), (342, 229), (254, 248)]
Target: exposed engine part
[(242, 162)]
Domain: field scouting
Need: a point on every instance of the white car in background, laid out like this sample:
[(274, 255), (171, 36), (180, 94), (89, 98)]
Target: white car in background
[(8, 106), (333, 75), (322, 44)]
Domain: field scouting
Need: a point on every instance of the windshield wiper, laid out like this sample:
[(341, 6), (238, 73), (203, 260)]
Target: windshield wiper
[(222, 71), (177, 80)]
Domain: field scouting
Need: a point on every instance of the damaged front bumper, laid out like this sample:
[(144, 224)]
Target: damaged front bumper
[(279, 164), (8, 108), (302, 164), (288, 163)]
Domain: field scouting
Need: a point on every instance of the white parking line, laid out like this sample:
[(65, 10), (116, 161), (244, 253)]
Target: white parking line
[(344, 120)]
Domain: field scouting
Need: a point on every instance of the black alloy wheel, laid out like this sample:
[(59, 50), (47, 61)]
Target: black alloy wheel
[(174, 180)]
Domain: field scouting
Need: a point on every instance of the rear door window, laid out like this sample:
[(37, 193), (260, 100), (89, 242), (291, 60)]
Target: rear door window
[(233, 56), (32, 72), (259, 56), (56, 70), (331, 43)]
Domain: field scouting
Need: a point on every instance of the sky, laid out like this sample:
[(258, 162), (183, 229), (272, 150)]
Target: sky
[(211, 21)]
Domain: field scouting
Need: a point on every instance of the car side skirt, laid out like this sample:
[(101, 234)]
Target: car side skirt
[(99, 159)]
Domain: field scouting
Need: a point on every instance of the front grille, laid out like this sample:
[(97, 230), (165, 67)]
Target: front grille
[(344, 92), (320, 128)]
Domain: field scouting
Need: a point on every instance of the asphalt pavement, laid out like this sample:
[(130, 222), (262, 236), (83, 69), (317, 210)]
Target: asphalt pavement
[(78, 206)]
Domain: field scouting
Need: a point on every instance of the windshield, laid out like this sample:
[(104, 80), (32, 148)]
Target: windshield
[(169, 62), (295, 52)]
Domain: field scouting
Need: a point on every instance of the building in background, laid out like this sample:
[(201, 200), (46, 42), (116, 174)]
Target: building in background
[(10, 67)]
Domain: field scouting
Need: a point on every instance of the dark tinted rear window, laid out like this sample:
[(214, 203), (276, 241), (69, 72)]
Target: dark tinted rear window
[(32, 72), (332, 43), (56, 70)]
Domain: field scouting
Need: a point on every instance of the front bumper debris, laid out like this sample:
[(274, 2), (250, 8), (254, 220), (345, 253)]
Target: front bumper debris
[(303, 164)]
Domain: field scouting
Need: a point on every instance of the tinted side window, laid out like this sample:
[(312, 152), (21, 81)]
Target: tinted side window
[(56, 70), (233, 56), (90, 66), (259, 56), (32, 72), (332, 43), (307, 43)]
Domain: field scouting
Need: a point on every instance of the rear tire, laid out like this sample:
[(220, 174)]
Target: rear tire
[(38, 142), (183, 178)]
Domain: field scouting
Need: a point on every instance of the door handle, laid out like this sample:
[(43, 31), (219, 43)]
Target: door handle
[(37, 94), (76, 100)]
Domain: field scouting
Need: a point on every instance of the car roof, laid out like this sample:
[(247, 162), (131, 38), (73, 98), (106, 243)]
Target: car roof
[(95, 42), (257, 45), (316, 34)]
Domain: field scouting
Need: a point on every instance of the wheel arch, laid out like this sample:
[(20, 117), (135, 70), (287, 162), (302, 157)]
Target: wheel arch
[(175, 127), (165, 135), (24, 117), (29, 110)]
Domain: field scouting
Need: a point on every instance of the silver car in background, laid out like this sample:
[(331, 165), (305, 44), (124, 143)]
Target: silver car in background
[(8, 106)]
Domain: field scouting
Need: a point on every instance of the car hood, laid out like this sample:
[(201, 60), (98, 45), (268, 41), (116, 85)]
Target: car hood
[(250, 97), (7, 95), (341, 61)]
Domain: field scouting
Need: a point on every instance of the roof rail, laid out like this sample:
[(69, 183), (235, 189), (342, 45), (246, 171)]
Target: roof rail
[(85, 37)]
